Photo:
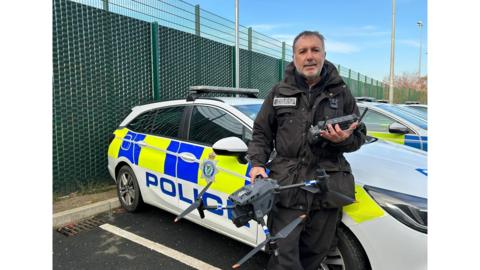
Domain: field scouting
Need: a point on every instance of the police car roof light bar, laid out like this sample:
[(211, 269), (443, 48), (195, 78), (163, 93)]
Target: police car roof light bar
[(197, 91)]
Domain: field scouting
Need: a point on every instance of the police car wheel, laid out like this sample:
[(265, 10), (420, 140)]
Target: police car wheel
[(349, 255), (128, 190)]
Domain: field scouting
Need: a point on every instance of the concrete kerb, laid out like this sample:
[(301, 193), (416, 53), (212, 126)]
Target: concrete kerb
[(79, 213)]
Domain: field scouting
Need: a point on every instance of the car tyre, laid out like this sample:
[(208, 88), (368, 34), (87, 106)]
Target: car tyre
[(349, 254), (128, 191)]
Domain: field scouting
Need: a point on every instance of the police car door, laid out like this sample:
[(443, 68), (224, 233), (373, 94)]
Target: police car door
[(209, 124), (157, 161)]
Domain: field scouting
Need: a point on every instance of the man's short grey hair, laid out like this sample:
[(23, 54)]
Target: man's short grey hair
[(309, 33)]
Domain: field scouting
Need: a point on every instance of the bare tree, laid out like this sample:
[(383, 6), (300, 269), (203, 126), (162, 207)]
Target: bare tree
[(409, 81)]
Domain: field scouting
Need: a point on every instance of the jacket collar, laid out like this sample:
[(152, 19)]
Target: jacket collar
[(294, 82)]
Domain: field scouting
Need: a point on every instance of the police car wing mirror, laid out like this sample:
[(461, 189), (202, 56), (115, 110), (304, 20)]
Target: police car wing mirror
[(397, 128), (231, 146)]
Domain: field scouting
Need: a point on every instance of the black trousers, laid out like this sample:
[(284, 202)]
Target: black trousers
[(309, 243)]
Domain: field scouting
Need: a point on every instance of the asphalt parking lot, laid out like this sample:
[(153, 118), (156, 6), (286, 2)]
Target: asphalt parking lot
[(148, 240)]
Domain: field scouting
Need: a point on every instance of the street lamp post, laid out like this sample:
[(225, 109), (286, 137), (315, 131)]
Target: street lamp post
[(392, 54), (237, 48), (420, 24)]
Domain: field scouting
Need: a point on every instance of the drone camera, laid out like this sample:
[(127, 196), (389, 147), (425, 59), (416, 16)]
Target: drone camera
[(252, 201), (241, 215)]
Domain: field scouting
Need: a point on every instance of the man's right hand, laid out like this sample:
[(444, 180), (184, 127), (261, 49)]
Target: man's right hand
[(256, 171)]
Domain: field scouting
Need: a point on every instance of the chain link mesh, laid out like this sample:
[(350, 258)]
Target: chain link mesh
[(102, 67)]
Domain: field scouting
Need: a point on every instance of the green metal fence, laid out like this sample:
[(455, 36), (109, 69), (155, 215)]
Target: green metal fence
[(101, 68), (110, 55)]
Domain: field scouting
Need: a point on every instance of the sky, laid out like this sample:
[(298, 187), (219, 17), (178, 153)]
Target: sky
[(358, 33)]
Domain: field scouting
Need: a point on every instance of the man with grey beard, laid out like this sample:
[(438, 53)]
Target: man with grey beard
[(311, 91)]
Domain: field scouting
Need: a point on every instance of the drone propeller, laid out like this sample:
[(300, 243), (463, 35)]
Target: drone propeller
[(280, 235), (198, 203)]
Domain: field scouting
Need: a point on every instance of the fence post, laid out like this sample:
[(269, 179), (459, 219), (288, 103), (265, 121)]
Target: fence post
[(250, 42), (197, 20), (198, 50), (281, 66), (371, 87), (367, 92), (365, 86), (233, 67), (350, 79), (386, 90), (358, 85), (154, 59), (105, 5), (378, 91), (250, 38)]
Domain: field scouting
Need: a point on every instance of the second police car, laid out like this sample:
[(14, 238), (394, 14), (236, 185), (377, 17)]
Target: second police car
[(397, 124), (156, 154)]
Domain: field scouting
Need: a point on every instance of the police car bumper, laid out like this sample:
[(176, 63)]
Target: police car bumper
[(111, 167), (393, 246)]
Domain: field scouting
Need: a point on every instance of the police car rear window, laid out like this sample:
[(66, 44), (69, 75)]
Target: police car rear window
[(250, 110), (209, 125), (166, 122), (163, 122), (142, 123)]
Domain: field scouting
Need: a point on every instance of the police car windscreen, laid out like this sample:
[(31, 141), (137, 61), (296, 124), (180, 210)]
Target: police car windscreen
[(249, 110)]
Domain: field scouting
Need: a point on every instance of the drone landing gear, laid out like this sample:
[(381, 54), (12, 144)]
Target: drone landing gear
[(271, 240)]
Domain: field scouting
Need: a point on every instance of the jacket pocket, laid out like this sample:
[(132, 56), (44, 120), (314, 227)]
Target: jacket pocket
[(338, 183), (285, 116)]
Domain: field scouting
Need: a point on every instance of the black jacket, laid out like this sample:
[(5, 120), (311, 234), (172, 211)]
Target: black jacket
[(285, 118)]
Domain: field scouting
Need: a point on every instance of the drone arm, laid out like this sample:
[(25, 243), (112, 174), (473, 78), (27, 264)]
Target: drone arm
[(218, 207), (250, 254), (198, 204), (308, 183), (200, 207)]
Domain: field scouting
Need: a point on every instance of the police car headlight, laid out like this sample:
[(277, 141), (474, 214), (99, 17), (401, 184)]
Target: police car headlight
[(409, 210)]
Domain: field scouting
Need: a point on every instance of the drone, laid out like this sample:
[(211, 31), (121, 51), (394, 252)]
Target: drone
[(255, 201)]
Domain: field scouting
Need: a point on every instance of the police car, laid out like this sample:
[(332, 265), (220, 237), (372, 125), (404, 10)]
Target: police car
[(156, 155), (396, 124), (419, 107)]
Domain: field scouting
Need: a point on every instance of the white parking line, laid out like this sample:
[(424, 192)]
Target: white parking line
[(172, 253)]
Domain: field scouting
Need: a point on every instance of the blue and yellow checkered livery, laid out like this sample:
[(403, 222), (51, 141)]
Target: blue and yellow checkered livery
[(162, 156), (419, 142)]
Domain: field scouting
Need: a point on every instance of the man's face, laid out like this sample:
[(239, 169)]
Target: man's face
[(309, 56)]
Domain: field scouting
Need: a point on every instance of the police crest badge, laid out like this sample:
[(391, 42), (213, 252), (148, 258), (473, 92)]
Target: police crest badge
[(209, 168)]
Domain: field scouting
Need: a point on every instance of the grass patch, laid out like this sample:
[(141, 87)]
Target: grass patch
[(90, 187)]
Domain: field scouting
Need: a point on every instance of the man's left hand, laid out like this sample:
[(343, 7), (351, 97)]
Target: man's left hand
[(336, 134)]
